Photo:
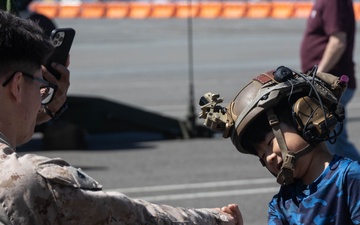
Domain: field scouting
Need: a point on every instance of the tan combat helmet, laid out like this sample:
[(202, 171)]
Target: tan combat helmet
[(315, 105)]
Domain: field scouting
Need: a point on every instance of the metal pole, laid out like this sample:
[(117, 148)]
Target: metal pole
[(191, 113)]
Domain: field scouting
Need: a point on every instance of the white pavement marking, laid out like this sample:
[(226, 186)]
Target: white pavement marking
[(210, 194), (196, 185), (205, 194)]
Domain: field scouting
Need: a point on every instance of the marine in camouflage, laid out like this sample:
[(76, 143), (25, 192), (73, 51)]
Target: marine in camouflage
[(42, 191)]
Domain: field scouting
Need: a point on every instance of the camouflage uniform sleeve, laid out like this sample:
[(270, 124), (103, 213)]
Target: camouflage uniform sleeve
[(80, 200)]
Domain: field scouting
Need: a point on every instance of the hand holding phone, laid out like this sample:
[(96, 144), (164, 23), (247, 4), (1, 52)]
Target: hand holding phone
[(62, 39)]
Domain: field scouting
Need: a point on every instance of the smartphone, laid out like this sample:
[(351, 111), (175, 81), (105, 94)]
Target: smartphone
[(62, 39)]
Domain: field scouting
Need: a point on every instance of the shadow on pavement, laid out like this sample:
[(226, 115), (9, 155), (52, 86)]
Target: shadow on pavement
[(104, 141)]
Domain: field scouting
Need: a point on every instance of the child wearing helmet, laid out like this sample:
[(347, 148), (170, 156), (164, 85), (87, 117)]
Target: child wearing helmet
[(284, 117)]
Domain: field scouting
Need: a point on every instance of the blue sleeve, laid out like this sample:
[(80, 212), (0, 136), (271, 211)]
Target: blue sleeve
[(274, 217), (352, 182)]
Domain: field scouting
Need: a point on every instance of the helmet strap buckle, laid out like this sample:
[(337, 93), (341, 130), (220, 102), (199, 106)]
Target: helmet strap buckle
[(285, 176)]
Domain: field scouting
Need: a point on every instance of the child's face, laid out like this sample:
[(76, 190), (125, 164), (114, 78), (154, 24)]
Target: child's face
[(269, 151)]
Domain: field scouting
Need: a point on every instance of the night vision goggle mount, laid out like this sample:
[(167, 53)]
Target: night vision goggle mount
[(216, 116)]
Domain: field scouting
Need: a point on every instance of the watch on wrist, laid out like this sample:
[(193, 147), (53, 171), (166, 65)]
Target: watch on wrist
[(58, 113)]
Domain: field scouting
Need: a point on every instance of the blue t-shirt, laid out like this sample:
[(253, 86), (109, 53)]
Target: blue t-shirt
[(332, 199)]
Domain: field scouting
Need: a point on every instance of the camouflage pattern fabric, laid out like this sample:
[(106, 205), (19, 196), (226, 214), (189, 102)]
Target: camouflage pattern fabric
[(332, 199), (38, 190)]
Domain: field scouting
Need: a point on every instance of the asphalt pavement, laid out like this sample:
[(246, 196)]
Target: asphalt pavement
[(145, 63)]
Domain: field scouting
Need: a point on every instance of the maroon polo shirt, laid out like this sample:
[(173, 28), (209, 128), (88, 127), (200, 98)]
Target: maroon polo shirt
[(326, 18)]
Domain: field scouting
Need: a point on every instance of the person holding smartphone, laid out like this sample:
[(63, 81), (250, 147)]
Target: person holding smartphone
[(40, 190), (58, 105)]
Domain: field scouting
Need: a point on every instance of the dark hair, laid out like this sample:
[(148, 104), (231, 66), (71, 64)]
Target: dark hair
[(260, 127), (23, 44)]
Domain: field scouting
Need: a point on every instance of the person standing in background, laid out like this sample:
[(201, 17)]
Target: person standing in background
[(328, 42)]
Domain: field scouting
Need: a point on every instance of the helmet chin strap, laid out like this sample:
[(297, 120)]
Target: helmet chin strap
[(285, 175)]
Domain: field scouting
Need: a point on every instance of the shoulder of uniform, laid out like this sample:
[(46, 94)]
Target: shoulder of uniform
[(59, 171)]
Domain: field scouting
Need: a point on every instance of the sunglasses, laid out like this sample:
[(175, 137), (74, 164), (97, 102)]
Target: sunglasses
[(47, 90)]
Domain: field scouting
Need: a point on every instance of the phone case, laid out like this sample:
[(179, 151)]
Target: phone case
[(62, 39)]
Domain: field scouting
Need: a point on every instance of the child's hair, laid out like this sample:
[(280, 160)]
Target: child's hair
[(260, 127)]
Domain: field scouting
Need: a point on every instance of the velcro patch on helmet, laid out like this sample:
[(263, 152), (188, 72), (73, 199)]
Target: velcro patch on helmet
[(265, 77)]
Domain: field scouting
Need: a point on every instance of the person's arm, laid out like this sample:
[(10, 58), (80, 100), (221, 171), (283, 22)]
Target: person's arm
[(80, 200), (333, 52), (59, 100), (83, 207)]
